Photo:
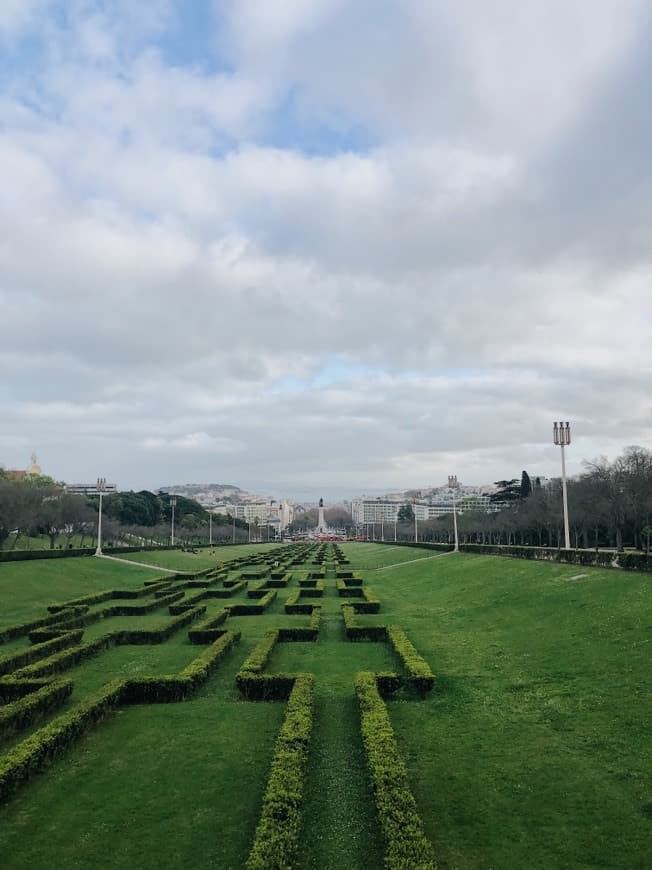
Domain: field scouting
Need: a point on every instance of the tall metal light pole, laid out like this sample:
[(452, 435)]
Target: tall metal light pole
[(382, 526), (234, 526), (210, 529), (452, 484), (416, 528), (561, 436), (101, 486), (173, 504)]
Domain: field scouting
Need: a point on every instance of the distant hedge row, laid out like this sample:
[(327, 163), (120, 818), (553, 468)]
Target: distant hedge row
[(595, 558)]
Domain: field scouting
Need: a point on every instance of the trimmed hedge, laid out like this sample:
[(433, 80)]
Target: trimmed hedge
[(227, 592), (375, 633), (14, 631), (39, 651), (177, 687), (303, 633), (276, 842), (208, 631), (346, 590), (253, 609), (404, 839), (420, 676), (25, 711), (595, 558), (36, 751), (369, 604)]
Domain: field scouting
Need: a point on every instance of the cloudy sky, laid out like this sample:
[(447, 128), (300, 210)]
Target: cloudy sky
[(323, 246)]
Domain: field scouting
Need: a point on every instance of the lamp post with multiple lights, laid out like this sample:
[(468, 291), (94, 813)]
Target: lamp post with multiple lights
[(452, 485), (173, 504), (561, 436), (101, 486)]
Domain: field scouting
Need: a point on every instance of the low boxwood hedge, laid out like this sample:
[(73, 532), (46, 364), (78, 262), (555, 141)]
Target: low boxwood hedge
[(404, 840), (420, 676), (277, 837)]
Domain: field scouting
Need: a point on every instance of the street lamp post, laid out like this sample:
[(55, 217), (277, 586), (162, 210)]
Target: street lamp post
[(452, 483), (382, 527), (101, 486), (561, 436), (234, 526), (416, 527), (173, 504), (210, 529)]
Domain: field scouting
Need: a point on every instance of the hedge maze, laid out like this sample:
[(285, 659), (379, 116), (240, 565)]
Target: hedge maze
[(48, 702)]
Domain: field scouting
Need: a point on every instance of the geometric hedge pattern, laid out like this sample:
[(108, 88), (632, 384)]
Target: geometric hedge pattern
[(37, 678)]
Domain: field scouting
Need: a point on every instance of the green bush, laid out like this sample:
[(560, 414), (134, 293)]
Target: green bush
[(369, 604), (276, 842), (253, 609), (39, 651), (420, 676), (178, 687), (375, 633), (345, 590), (208, 631), (25, 711), (405, 843), (36, 751)]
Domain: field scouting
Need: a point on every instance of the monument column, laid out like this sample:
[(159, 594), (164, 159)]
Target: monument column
[(321, 525)]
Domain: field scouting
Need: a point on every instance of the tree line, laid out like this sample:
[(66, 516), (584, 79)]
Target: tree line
[(37, 506), (609, 505)]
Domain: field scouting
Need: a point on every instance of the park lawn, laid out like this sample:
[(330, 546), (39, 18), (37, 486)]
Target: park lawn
[(532, 751), (535, 748), (177, 560), (27, 588)]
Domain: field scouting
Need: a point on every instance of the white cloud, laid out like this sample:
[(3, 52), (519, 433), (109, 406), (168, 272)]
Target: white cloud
[(178, 283)]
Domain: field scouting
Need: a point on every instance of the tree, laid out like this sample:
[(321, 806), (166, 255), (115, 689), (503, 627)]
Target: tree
[(508, 491), (405, 513), (526, 485)]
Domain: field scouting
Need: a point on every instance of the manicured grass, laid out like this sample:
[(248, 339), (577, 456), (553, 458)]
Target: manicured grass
[(532, 751), (177, 560), (535, 748), (27, 588)]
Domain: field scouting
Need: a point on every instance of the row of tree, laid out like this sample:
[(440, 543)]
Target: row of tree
[(35, 506), (609, 505)]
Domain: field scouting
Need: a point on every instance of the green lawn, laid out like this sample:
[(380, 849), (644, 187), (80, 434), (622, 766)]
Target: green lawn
[(533, 751)]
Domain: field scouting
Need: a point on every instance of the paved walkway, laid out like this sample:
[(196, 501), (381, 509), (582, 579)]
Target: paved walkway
[(142, 564), (410, 561)]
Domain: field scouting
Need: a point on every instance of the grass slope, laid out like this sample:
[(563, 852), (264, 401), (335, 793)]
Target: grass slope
[(533, 750)]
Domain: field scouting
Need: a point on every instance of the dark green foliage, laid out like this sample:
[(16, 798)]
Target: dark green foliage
[(178, 687), (39, 651), (405, 514), (420, 676), (29, 708), (253, 609), (599, 558), (26, 627), (276, 842), (369, 604), (376, 633), (208, 631), (35, 752), (345, 590), (405, 843), (526, 485)]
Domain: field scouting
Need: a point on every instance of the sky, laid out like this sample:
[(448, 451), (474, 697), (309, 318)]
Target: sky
[(323, 247)]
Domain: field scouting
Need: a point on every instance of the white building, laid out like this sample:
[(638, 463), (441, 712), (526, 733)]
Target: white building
[(276, 513)]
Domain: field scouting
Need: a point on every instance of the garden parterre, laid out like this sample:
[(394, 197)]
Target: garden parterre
[(353, 761)]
